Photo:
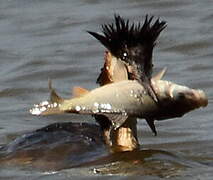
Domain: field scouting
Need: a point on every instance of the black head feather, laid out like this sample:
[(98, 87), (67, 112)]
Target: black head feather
[(132, 43)]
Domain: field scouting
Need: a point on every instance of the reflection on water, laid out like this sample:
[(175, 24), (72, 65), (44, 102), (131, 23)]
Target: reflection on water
[(47, 39)]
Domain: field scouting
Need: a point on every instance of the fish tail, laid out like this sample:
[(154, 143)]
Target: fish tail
[(48, 107)]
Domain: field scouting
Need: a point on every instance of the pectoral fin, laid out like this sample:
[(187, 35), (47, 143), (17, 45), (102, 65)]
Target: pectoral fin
[(151, 124), (116, 119)]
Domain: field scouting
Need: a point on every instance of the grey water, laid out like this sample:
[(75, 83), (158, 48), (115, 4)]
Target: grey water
[(43, 39)]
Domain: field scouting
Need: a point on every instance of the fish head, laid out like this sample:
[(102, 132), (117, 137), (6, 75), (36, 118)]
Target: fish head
[(176, 100), (193, 98)]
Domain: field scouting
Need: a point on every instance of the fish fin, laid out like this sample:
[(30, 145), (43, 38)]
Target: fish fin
[(48, 107), (54, 97), (151, 124), (160, 74), (79, 91), (116, 119)]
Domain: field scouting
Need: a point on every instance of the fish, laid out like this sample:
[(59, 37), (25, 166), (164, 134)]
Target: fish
[(128, 98)]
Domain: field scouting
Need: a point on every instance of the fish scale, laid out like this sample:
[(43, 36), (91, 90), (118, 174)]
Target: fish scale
[(127, 98)]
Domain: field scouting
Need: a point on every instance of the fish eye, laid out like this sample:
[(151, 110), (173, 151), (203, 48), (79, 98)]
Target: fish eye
[(181, 96)]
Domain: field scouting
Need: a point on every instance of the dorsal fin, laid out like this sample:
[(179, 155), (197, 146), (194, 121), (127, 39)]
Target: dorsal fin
[(160, 74), (54, 97), (79, 91)]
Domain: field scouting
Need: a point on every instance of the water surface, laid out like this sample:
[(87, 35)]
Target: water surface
[(47, 39)]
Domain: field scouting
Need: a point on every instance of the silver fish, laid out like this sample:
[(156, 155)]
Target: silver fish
[(127, 98)]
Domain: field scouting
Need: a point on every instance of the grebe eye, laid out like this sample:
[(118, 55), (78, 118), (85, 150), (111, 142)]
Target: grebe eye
[(125, 55)]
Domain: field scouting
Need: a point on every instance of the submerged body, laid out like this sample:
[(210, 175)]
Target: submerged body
[(128, 99), (54, 147)]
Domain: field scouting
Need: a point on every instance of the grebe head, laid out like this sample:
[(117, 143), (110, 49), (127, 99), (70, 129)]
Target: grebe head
[(132, 43)]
